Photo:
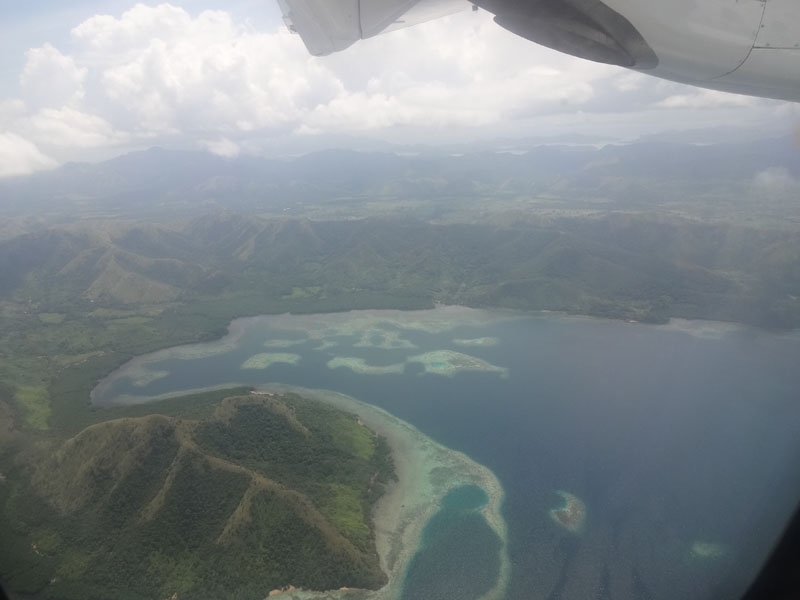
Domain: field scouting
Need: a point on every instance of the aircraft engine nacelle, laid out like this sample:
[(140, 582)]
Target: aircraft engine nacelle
[(743, 46)]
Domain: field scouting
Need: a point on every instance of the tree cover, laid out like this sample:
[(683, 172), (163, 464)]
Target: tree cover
[(262, 492), (79, 299)]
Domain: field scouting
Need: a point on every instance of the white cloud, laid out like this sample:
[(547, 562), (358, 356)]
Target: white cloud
[(162, 75), (173, 72), (700, 98), (108, 37), (429, 79), (630, 81), (206, 74), (19, 156), (10, 109), (51, 79), (70, 128), (222, 147)]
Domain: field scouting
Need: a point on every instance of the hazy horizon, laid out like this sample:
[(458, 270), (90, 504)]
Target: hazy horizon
[(94, 80)]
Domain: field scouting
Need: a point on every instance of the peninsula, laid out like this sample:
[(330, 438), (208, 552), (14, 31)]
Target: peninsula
[(207, 494)]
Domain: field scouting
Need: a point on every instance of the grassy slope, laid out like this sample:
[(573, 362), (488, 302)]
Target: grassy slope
[(147, 506)]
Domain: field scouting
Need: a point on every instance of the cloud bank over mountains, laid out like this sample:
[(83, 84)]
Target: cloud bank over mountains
[(163, 75)]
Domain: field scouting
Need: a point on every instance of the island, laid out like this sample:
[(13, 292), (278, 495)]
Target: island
[(360, 366), (481, 341), (448, 363), (571, 515), (383, 339), (264, 360)]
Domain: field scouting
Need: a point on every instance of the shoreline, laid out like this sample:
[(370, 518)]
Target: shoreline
[(426, 472), (238, 326), (234, 332)]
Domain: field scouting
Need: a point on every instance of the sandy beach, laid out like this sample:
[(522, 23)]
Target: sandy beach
[(426, 471)]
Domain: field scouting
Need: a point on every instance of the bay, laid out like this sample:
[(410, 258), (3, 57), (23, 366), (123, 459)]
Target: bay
[(680, 442)]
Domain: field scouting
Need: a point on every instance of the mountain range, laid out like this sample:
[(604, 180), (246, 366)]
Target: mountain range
[(172, 183)]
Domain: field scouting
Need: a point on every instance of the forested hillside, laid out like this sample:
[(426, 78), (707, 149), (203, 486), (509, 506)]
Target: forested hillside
[(617, 265), (100, 263), (259, 493), (79, 300)]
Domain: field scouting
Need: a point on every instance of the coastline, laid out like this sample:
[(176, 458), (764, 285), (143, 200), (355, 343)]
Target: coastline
[(138, 364), (426, 471), (440, 318)]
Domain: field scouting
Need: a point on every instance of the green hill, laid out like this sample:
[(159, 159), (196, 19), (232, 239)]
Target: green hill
[(178, 503), (265, 492), (100, 263), (78, 300), (617, 265)]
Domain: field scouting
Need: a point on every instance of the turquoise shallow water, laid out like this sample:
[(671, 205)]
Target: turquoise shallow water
[(458, 557), (668, 438)]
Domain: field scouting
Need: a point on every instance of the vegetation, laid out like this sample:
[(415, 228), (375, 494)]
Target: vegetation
[(35, 403), (263, 492), (85, 503)]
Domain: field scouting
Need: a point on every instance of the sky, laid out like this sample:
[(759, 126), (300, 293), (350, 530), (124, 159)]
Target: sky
[(86, 80)]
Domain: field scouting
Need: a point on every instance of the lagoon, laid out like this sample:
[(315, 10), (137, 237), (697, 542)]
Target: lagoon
[(672, 438)]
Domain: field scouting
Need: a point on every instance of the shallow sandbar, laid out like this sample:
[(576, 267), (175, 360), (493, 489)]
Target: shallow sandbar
[(281, 343), (572, 514), (266, 359), (426, 471), (360, 366), (481, 341), (448, 363), (382, 339), (143, 377)]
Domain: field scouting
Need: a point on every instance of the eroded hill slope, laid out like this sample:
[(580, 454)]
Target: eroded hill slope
[(265, 492)]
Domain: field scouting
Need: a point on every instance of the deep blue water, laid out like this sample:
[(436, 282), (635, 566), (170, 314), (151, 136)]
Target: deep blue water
[(668, 438)]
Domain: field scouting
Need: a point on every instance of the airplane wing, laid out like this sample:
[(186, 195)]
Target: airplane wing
[(742, 46)]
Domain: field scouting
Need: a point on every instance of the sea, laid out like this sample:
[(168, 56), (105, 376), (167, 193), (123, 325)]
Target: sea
[(682, 442)]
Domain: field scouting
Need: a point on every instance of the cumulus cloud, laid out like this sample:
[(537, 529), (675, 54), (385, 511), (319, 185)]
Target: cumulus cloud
[(462, 71), (173, 72), (19, 156), (50, 79), (162, 75), (107, 37)]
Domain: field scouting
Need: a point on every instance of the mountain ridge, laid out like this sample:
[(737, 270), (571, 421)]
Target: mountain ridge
[(160, 181), (124, 490)]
